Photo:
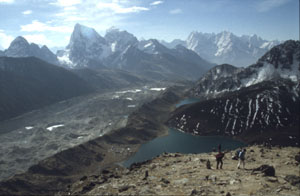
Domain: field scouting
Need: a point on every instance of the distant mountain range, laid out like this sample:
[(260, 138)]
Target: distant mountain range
[(150, 58), (121, 50), (225, 47), (257, 103)]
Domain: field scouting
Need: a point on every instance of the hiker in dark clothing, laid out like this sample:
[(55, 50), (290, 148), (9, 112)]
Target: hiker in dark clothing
[(219, 158)]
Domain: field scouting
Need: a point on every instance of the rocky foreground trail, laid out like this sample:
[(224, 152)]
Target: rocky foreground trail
[(268, 171)]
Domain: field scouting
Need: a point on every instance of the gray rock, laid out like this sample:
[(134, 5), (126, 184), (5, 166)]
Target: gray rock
[(266, 169), (293, 180), (124, 188), (165, 181)]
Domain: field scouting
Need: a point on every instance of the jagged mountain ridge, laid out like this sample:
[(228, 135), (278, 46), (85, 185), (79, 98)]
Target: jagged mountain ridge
[(225, 47), (119, 40), (86, 45), (121, 50), (254, 103), (19, 47)]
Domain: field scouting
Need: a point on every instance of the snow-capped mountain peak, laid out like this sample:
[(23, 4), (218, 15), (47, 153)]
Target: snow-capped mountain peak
[(152, 46), (119, 40), (86, 44), (85, 34), (225, 41), (226, 47)]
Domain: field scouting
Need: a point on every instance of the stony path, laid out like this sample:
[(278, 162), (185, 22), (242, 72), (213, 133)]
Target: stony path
[(177, 174)]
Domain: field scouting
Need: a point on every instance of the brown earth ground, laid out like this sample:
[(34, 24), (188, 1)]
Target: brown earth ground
[(178, 174)]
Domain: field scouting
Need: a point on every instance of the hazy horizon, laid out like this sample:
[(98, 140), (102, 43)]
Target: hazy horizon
[(51, 22)]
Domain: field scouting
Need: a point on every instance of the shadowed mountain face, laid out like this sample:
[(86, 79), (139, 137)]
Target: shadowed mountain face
[(257, 103), (30, 83)]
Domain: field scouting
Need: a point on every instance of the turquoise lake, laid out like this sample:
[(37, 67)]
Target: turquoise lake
[(185, 143), (177, 141)]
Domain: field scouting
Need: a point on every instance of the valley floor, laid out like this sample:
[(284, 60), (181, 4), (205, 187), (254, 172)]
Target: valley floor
[(27, 139), (178, 174)]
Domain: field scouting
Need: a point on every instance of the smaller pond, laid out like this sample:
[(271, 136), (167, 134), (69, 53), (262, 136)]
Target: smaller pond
[(177, 141), (187, 101)]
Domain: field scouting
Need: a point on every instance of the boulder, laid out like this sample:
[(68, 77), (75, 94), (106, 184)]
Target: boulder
[(165, 181), (124, 188), (267, 170)]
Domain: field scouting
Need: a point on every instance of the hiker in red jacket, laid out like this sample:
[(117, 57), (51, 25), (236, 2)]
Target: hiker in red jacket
[(219, 158)]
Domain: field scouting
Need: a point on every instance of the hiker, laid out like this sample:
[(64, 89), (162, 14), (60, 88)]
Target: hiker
[(208, 166), (219, 158), (242, 158), (236, 155)]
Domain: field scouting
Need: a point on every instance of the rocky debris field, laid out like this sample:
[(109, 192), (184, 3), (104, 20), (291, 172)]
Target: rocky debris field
[(268, 171), (57, 172), (34, 136)]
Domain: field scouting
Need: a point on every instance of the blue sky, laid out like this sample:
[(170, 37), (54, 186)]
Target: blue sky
[(51, 22)]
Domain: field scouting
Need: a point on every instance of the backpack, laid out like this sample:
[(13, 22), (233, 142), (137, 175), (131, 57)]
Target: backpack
[(242, 155), (220, 155), (237, 153)]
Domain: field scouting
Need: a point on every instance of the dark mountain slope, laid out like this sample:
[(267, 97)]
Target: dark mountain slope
[(154, 60), (268, 111), (30, 83)]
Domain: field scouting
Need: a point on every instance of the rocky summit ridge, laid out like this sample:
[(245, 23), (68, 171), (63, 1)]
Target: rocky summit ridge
[(268, 171)]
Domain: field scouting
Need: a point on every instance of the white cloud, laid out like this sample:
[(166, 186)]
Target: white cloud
[(40, 39), (266, 5), (71, 8), (66, 3), (37, 26), (156, 3), (5, 39), (175, 11), (74, 19), (27, 12), (7, 1), (117, 8)]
